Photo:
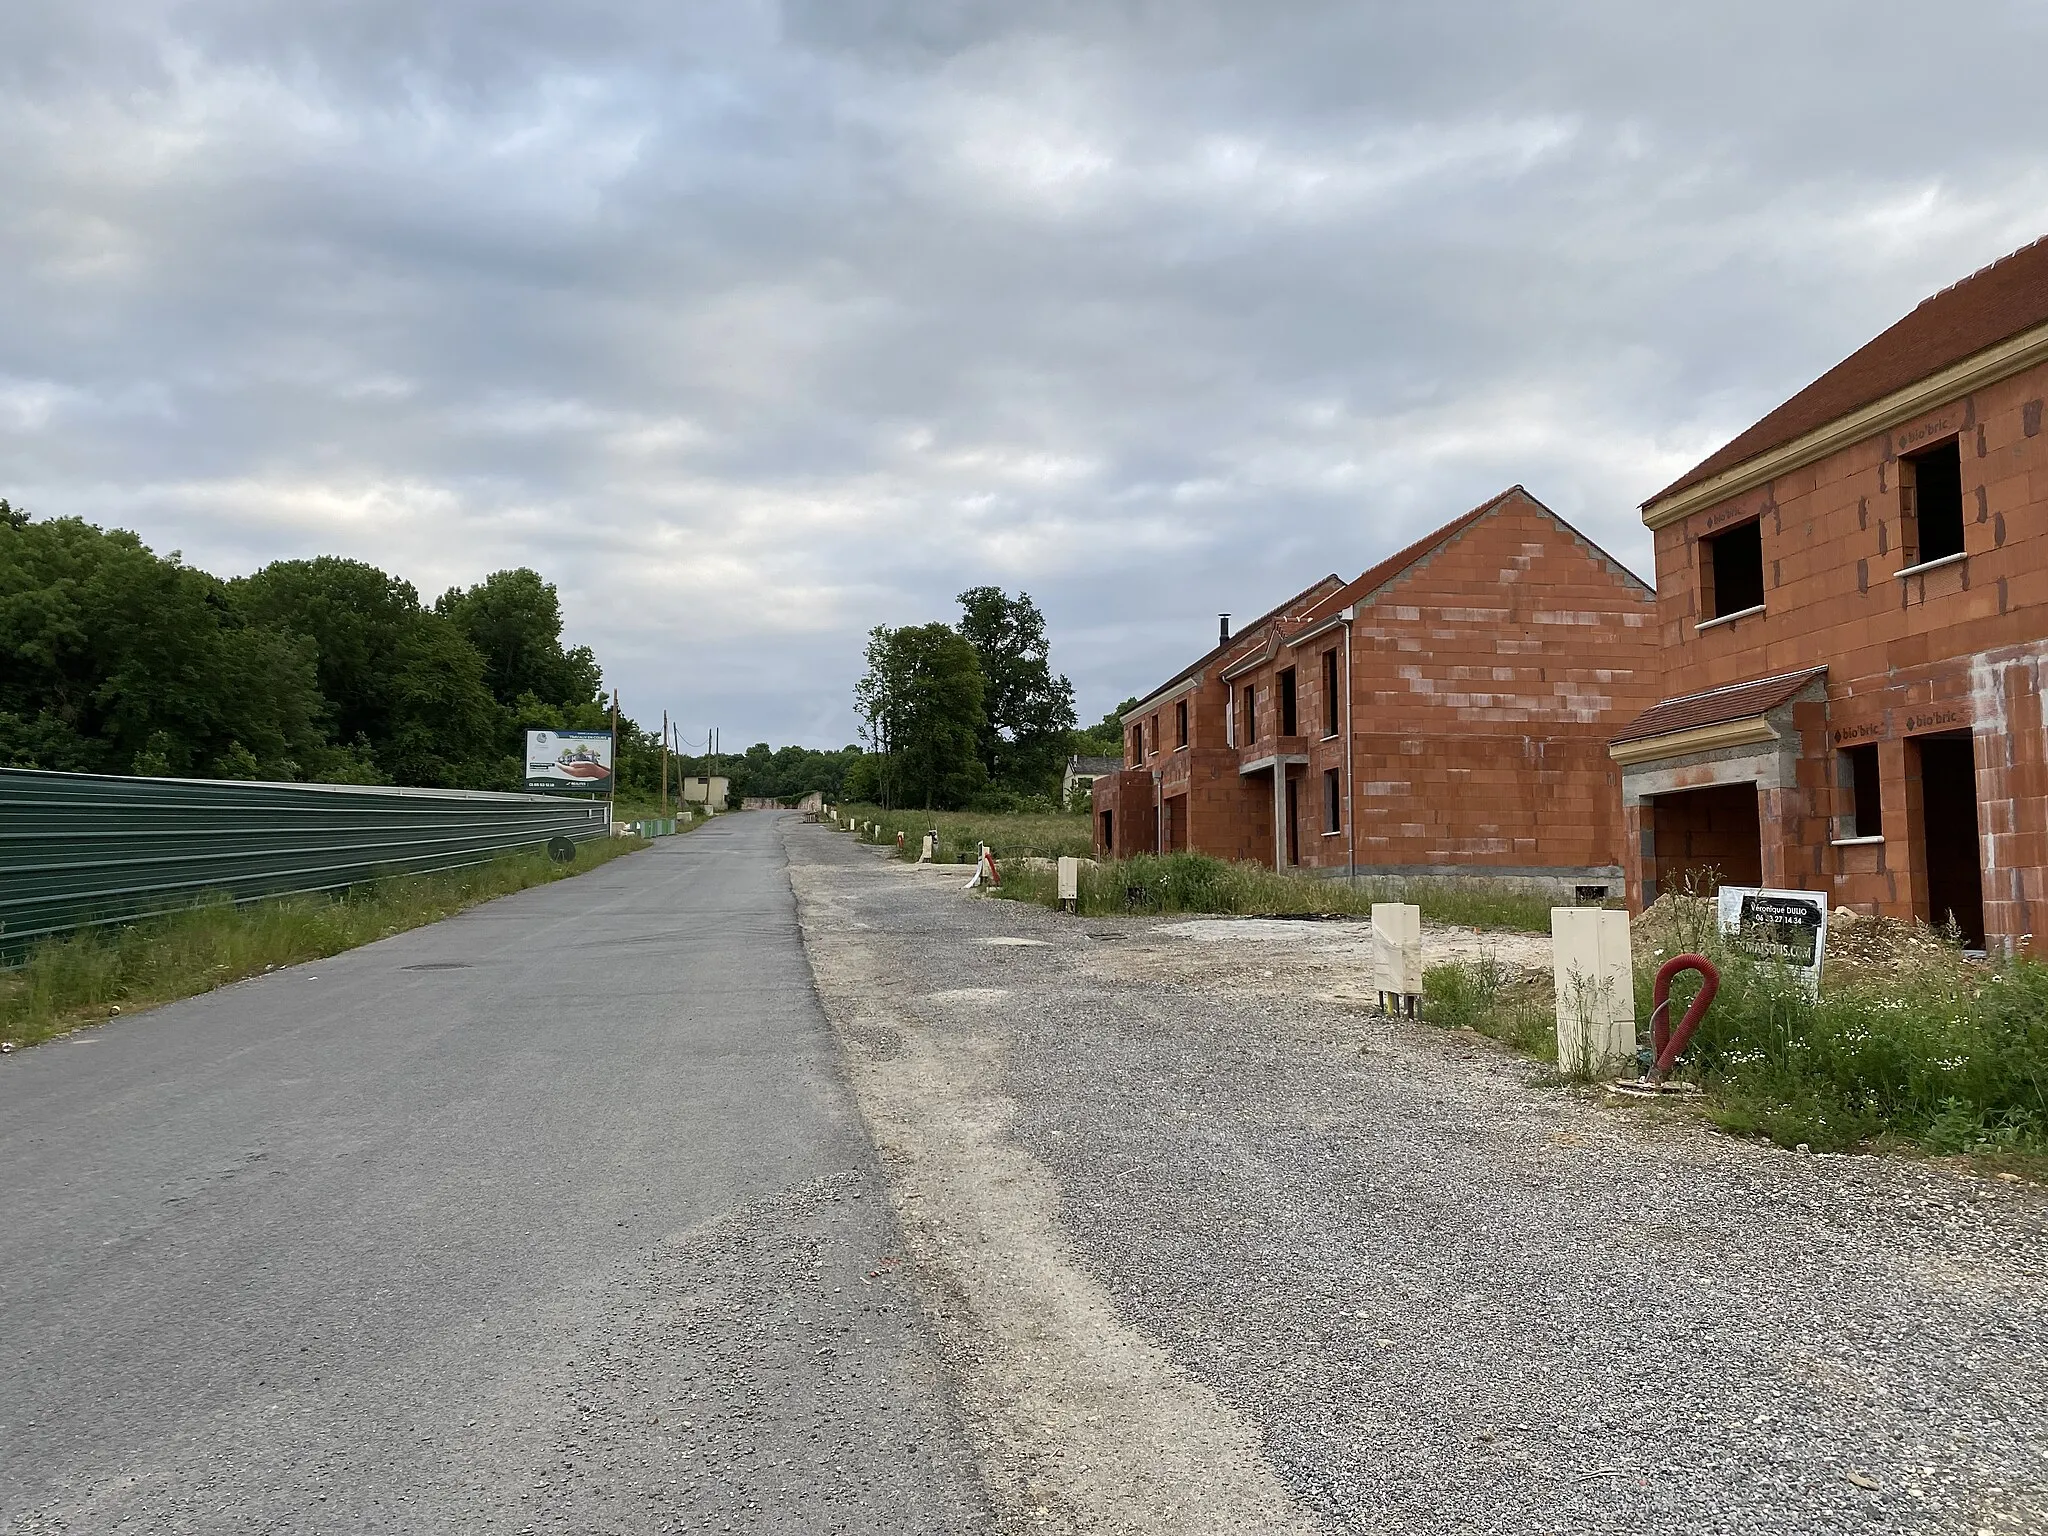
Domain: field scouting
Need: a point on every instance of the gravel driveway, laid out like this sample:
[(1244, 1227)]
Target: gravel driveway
[(1378, 1277)]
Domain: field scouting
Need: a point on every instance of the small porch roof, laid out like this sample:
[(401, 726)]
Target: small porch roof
[(1691, 717)]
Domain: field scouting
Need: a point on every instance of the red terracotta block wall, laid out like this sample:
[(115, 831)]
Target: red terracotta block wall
[(1485, 684), (1960, 648)]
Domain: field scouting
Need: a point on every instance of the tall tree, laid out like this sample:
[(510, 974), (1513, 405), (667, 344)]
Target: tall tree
[(114, 659), (1027, 710), (514, 619), (360, 621), (921, 707)]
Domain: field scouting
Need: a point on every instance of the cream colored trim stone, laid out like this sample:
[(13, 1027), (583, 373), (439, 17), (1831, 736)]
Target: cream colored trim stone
[(1933, 565), (1701, 738), (1987, 367), (1730, 618), (1164, 696)]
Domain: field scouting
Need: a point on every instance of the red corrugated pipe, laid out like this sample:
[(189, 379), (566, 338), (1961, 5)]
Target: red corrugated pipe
[(1666, 1043)]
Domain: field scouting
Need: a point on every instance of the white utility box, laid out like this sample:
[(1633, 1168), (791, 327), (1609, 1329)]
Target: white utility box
[(1593, 968), (1397, 954)]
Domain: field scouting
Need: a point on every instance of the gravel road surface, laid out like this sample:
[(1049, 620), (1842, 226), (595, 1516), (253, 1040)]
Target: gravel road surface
[(1377, 1277), (555, 1216)]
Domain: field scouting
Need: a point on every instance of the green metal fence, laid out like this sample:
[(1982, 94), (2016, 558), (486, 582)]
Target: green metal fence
[(78, 849)]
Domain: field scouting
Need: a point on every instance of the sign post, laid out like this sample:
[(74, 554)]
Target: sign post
[(1790, 927), (569, 760)]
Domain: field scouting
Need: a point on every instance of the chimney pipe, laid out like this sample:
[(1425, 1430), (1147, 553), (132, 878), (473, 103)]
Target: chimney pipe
[(1223, 629)]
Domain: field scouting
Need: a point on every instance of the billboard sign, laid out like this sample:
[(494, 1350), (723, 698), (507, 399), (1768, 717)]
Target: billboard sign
[(569, 760), (1790, 927)]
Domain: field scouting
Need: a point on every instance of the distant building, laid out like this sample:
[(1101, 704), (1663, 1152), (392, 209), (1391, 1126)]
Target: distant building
[(1852, 600), (1082, 772), (1447, 713), (710, 793)]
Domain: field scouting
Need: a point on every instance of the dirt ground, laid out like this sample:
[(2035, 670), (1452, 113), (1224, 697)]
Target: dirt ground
[(1212, 1246)]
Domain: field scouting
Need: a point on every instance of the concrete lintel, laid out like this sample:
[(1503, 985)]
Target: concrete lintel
[(1766, 770), (1265, 764)]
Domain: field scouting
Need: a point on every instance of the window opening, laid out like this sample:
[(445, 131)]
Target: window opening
[(1333, 801), (1248, 730), (1859, 778), (1154, 734), (1931, 504), (1732, 570), (1330, 718), (1137, 743), (1290, 723), (1180, 723)]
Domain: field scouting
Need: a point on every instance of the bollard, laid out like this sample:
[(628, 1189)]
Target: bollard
[(1593, 971), (1397, 956)]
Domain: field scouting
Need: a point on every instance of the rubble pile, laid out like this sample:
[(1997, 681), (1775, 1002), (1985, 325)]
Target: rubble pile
[(1861, 947)]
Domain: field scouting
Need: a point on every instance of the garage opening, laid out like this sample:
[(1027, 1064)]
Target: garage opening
[(1947, 767), (1703, 839)]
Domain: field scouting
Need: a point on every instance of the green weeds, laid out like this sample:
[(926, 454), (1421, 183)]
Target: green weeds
[(80, 978), (1012, 834), (1195, 883), (1949, 1058)]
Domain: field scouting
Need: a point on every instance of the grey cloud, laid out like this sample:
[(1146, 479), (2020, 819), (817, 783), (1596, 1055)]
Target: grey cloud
[(756, 326)]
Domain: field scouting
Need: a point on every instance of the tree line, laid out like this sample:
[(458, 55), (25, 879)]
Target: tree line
[(969, 714), (114, 659)]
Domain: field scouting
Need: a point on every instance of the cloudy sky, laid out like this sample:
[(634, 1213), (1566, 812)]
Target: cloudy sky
[(753, 325)]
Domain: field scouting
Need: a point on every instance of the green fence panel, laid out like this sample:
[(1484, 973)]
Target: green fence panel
[(78, 849)]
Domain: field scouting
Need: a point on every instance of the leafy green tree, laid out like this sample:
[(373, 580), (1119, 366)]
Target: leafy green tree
[(117, 659), (359, 620), (920, 702), (514, 619), (1028, 712), (445, 726), (1105, 738), (863, 782)]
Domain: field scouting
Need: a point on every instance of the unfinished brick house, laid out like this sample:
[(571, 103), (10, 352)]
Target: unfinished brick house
[(1447, 713), (1852, 600)]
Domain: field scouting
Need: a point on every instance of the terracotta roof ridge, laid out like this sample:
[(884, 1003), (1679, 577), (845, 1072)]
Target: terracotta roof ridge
[(1747, 682), (1987, 268), (1270, 616), (2000, 300)]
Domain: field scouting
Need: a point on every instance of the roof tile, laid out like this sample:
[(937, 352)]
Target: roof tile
[(1985, 308), (1717, 706)]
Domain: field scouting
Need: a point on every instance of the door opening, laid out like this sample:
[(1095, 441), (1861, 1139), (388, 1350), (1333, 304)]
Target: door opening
[(1294, 821), (1109, 833), (1702, 839), (1948, 835)]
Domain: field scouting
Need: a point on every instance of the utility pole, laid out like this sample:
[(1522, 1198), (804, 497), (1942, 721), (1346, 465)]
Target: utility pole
[(664, 765), (612, 783)]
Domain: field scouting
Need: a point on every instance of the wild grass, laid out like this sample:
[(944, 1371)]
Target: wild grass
[(1954, 1060), (1012, 834), (1195, 883), (81, 978), (1947, 1058), (1495, 1000)]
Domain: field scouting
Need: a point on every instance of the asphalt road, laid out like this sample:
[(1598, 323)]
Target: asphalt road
[(555, 1216)]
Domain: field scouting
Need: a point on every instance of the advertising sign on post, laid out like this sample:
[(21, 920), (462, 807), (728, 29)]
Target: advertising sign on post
[(569, 760), (1790, 927)]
